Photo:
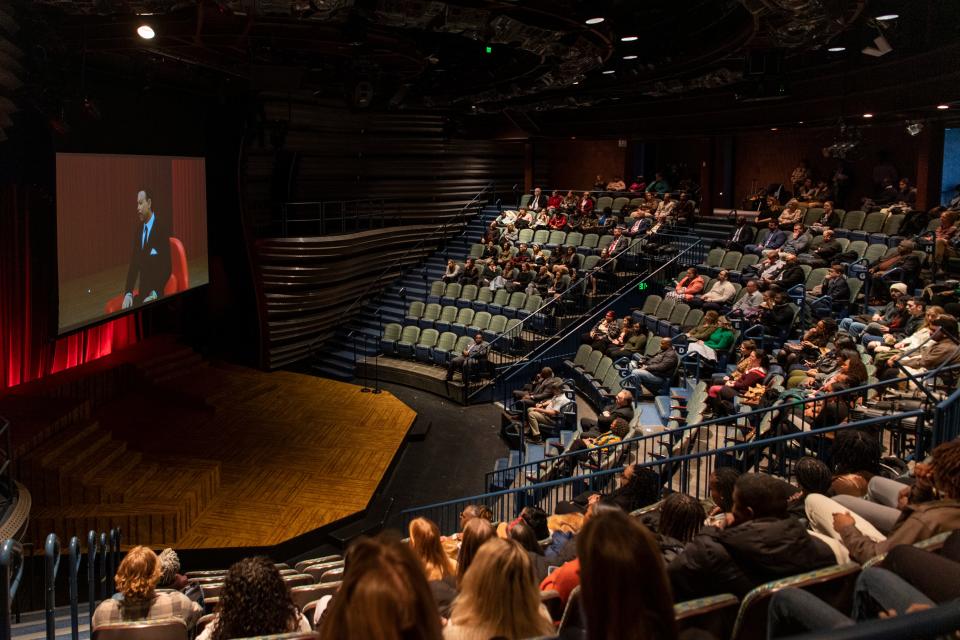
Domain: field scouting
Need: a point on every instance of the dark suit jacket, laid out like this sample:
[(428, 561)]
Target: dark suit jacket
[(791, 276), (149, 264), (775, 240), (537, 203)]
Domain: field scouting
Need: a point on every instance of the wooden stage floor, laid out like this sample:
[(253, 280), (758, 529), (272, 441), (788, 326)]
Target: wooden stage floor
[(221, 456)]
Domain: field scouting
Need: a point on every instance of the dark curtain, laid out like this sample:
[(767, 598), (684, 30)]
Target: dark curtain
[(29, 348)]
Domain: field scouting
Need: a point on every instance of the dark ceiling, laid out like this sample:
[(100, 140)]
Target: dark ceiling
[(479, 56)]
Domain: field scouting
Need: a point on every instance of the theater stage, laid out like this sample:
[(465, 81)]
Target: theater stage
[(196, 455)]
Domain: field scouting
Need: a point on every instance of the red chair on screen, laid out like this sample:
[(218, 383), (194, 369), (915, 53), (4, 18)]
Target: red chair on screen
[(178, 281)]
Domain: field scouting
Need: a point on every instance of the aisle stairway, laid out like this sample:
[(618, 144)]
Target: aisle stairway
[(336, 360)]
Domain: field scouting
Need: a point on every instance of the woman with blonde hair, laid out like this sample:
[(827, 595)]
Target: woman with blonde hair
[(475, 533), (384, 595), (136, 581), (499, 597), (425, 543)]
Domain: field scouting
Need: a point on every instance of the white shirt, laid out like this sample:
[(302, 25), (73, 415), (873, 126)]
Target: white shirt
[(721, 292)]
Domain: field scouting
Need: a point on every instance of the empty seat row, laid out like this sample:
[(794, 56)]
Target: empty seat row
[(513, 305), (460, 321), (585, 243), (432, 346)]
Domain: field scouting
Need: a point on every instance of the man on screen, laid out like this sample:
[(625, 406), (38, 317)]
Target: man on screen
[(150, 261)]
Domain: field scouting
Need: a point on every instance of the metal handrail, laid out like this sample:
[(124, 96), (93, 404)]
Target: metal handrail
[(947, 419), (105, 551), (724, 421), (11, 572), (92, 551), (439, 232), (115, 535), (74, 585), (51, 556)]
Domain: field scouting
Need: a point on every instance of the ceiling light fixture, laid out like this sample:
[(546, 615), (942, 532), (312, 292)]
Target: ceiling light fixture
[(888, 16), (836, 49), (943, 107), (594, 20), (629, 57), (774, 129), (868, 115), (629, 39), (146, 32), (609, 71)]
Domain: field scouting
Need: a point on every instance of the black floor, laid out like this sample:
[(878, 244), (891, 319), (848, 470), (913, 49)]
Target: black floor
[(460, 447)]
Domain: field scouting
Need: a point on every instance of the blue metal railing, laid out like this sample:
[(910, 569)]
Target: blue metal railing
[(946, 423), (688, 473), (642, 446), (11, 572)]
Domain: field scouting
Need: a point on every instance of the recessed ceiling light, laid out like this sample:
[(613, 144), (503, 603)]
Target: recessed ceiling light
[(836, 49), (576, 82), (594, 20), (868, 115), (799, 121), (146, 32), (629, 57), (888, 16), (629, 39), (773, 129), (943, 107), (609, 71)]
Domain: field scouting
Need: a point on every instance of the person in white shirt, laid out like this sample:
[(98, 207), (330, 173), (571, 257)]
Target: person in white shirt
[(719, 296), (545, 413), (665, 208)]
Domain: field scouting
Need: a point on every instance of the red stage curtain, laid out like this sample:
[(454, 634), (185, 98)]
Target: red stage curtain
[(29, 348)]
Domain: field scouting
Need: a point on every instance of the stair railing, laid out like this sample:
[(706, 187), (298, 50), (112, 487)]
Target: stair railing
[(75, 557), (92, 553), (11, 572), (114, 559), (440, 232), (51, 556), (104, 552)]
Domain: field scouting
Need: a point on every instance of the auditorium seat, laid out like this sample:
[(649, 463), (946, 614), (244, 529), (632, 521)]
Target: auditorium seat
[(445, 343), (447, 315), (713, 614), (462, 321), (467, 295), (391, 333), (425, 344), (408, 337), (431, 313), (159, 629), (303, 564), (304, 594), (872, 223)]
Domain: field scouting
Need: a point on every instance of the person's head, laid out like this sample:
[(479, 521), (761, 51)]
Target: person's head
[(773, 255), (722, 321), (757, 495), (537, 519), (537, 191), (138, 574), (741, 221), (691, 272), (828, 205), (619, 427), (667, 197), (523, 534), (617, 232), (837, 271), (904, 183), (469, 262), (932, 313), (610, 315), (474, 534), (789, 258), (478, 338), (472, 511), (854, 451), (761, 359), (721, 487), (807, 183), (723, 275), (827, 327), (425, 544), (681, 517), (844, 342), (813, 475), (897, 290), (384, 595), (144, 206), (946, 469), (828, 234), (499, 595), (945, 327), (615, 550), (254, 601), (623, 398), (947, 219), (747, 347), (751, 286), (711, 317), (772, 225), (169, 567), (665, 344), (915, 306), (906, 247), (683, 196), (546, 373)]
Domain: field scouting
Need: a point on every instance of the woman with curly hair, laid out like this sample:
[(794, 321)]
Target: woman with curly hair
[(255, 601), (499, 597), (136, 581), (384, 595)]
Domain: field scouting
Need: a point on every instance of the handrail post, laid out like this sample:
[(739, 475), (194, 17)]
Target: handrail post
[(74, 588), (51, 555), (114, 558), (104, 552), (11, 571), (92, 572)]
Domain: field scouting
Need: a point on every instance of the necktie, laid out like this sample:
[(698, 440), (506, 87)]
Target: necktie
[(143, 242)]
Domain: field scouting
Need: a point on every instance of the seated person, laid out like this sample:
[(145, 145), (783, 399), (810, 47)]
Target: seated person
[(720, 295), (830, 219), (814, 342), (539, 389), (822, 250), (639, 185), (834, 285), (916, 522), (776, 315), (655, 372), (170, 576), (472, 359), (546, 413), (452, 273), (857, 325), (470, 273), (905, 324), (136, 582), (944, 237), (588, 443), (709, 324), (907, 264), (603, 272), (603, 333), (750, 303), (944, 352), (622, 408), (774, 240), (525, 219), (586, 204), (798, 241), (791, 214), (919, 339), (630, 341), (638, 225), (718, 341), (558, 220), (688, 286), (786, 278), (720, 397), (616, 184), (807, 190), (685, 209), (637, 487), (542, 221), (538, 200), (659, 184), (762, 543), (666, 208), (555, 200), (507, 216)]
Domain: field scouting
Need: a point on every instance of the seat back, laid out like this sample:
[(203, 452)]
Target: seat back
[(481, 320), (533, 303), (469, 292), (525, 200), (415, 310), (812, 215), (500, 297), (583, 353), (714, 614), (653, 345), (693, 319), (540, 236), (858, 246), (604, 202), (517, 299), (853, 220), (893, 223), (525, 235), (437, 288), (762, 235), (462, 343), (446, 341), (513, 328), (604, 242), (465, 316), (747, 260), (620, 203), (679, 314), (431, 311), (593, 361), (497, 324), (410, 334), (557, 237), (392, 331), (574, 238), (730, 260), (449, 314), (833, 584), (308, 593), (590, 241), (485, 294), (476, 250), (159, 629), (877, 251), (815, 277), (603, 367), (428, 338), (855, 284), (452, 290), (636, 202), (873, 222), (666, 308), (650, 304), (714, 257), (590, 262), (572, 615), (844, 243)]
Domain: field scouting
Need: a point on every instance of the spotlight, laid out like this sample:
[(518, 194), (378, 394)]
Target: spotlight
[(943, 107), (774, 129), (594, 20), (887, 17), (629, 39), (868, 115), (882, 47), (629, 57), (609, 71), (146, 32), (836, 49), (914, 128)]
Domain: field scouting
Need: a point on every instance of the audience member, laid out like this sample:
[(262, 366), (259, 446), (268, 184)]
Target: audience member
[(654, 373)]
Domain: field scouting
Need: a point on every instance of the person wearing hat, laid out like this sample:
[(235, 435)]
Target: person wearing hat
[(604, 333), (856, 325)]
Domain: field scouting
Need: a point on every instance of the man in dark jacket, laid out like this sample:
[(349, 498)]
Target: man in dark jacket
[(761, 544), (538, 389), (773, 241), (656, 372), (823, 250), (791, 275), (742, 235), (622, 408), (834, 285)]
